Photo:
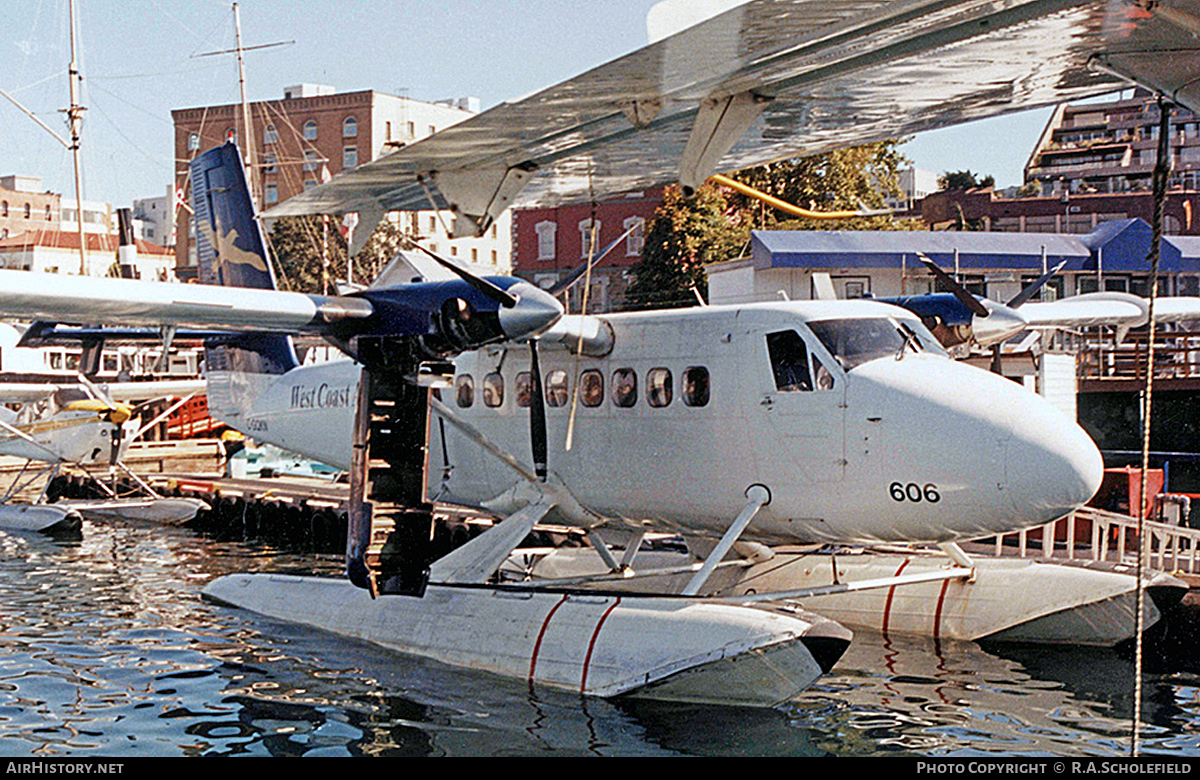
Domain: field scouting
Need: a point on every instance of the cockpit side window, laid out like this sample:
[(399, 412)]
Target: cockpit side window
[(823, 375), (789, 361)]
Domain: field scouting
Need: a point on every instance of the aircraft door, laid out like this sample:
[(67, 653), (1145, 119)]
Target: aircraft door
[(800, 402)]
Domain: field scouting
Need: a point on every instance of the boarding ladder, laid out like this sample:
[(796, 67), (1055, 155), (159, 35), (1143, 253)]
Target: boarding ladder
[(395, 524)]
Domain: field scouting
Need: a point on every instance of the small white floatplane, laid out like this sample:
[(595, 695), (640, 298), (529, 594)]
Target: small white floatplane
[(776, 423), (86, 426)]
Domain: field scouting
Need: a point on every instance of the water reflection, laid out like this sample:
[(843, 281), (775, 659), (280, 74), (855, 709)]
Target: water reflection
[(107, 650)]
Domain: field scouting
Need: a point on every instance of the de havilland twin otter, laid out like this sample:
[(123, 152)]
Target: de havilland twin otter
[(746, 425)]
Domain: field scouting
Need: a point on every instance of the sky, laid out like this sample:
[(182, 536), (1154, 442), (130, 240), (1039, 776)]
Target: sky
[(138, 60)]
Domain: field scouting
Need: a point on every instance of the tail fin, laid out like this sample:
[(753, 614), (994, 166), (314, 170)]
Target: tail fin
[(231, 252)]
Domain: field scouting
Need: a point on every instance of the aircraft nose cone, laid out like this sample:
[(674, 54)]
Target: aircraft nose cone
[(535, 312), (1051, 465)]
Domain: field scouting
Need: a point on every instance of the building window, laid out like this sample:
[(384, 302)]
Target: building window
[(4, 209), (585, 237), (271, 193), (387, 132), (412, 129), (545, 240), (350, 127), (193, 142), (636, 239), (28, 211), (311, 158), (270, 135), (309, 184), (310, 130), (270, 162), (349, 157), (47, 212)]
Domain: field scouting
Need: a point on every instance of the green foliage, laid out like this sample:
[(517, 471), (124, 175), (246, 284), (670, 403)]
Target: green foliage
[(684, 234), (714, 225), (964, 180), (297, 244)]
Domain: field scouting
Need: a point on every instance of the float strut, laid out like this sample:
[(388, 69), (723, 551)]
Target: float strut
[(757, 497)]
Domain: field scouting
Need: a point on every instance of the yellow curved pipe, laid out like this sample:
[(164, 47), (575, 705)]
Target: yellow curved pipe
[(786, 207)]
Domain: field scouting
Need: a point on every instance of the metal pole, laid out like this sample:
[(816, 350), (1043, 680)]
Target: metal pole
[(1162, 169), (75, 118), (248, 147)]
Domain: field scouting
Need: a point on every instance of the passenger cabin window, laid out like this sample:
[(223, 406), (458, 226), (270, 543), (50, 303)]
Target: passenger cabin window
[(789, 361), (524, 389), (624, 387), (658, 387), (695, 386), (591, 388), (493, 390), (464, 391), (556, 388)]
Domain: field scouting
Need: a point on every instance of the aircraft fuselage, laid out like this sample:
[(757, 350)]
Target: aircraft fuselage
[(848, 413)]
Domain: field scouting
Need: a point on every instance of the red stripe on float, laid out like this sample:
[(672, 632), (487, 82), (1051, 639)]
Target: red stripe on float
[(592, 644), (887, 608), (537, 646), (937, 616)]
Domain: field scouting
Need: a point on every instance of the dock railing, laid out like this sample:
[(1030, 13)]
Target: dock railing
[(1106, 536)]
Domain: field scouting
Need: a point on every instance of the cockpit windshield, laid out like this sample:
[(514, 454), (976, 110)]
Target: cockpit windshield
[(856, 341)]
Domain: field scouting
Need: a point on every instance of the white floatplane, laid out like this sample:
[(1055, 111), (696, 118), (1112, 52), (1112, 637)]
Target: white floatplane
[(779, 423), (84, 425)]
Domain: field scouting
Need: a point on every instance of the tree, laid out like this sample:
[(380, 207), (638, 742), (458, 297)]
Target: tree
[(297, 243), (964, 180), (841, 180), (684, 234), (715, 225)]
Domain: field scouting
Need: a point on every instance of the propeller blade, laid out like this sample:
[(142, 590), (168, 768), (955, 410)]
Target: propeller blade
[(1032, 289), (960, 292), (571, 279), (537, 414), (498, 295)]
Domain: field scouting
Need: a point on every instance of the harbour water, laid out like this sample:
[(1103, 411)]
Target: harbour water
[(107, 650)]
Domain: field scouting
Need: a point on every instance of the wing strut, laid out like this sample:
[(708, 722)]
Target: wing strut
[(720, 123)]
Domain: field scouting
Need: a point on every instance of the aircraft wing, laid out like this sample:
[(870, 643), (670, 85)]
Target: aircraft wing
[(1091, 309), (63, 298), (772, 79), (1109, 308)]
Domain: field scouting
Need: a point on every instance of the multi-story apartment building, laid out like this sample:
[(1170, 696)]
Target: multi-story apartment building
[(314, 133), (1110, 147)]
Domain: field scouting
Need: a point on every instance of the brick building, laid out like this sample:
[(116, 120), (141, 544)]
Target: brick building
[(23, 207), (314, 133), (549, 242)]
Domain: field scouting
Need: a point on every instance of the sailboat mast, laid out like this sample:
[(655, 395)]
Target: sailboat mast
[(248, 147), (75, 118)]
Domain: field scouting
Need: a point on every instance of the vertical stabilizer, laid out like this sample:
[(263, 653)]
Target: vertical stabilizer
[(230, 252)]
